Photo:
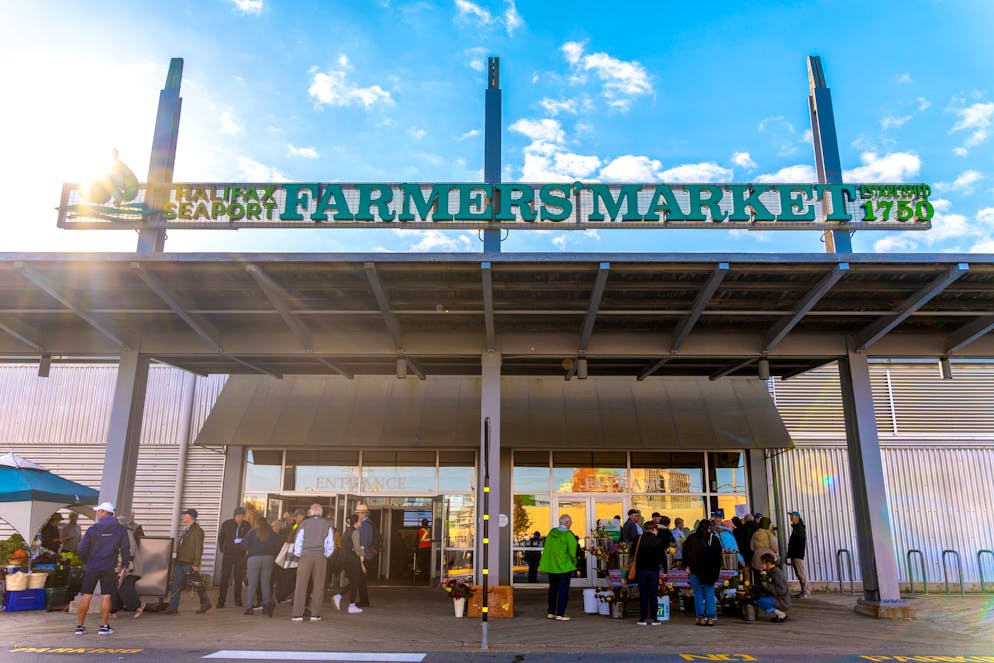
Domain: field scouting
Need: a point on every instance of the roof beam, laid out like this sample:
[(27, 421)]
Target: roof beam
[(683, 329), (595, 303), (280, 300), (877, 330), (254, 367), (203, 329), (488, 304), (414, 368), (167, 362), (810, 367), (970, 332), (335, 367), (393, 325), (571, 372), (776, 333), (653, 368), (36, 277), (731, 368), (23, 332)]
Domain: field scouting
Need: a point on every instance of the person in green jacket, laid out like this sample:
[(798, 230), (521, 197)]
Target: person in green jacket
[(559, 562)]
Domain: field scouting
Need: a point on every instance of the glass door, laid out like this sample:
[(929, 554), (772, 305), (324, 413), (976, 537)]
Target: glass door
[(587, 512)]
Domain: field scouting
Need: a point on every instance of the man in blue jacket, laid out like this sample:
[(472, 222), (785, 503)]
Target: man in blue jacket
[(102, 545)]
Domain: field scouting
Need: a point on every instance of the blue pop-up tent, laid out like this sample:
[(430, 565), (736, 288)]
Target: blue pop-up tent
[(30, 494)]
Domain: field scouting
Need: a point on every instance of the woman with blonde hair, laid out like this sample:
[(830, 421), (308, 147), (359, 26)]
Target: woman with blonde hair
[(763, 542)]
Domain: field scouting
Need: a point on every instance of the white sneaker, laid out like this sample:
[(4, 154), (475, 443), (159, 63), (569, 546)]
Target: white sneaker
[(315, 619), (337, 598), (354, 609), (296, 619)]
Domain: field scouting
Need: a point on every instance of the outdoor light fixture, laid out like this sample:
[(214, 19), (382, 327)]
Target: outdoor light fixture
[(945, 369), (401, 368), (764, 369), (581, 368), (45, 365)]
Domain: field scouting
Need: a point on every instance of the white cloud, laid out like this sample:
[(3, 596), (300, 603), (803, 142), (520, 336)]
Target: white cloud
[(416, 134), (545, 130), (472, 133), (893, 121), (253, 171), (977, 120), (743, 160), (904, 78), (960, 151), (894, 244), (791, 174), (631, 168), (545, 160), (986, 215), (707, 171), (891, 167), (621, 80), (248, 6), (556, 106), (983, 246), (781, 133), (923, 103), (512, 19), (962, 184), (424, 241), (229, 124), (332, 89), (469, 11), (477, 64), (303, 152)]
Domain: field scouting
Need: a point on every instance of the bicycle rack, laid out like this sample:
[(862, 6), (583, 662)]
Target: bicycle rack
[(838, 569), (959, 567), (980, 567), (911, 574)]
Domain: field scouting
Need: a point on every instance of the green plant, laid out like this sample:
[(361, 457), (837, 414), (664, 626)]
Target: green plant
[(72, 559), (7, 548)]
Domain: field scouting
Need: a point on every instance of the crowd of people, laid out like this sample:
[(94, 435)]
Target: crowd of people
[(294, 559), (701, 552)]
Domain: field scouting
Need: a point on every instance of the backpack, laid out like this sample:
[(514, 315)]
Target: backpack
[(375, 546)]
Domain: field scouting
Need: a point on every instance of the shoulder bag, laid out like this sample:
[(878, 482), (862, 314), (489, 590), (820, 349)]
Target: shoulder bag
[(632, 570)]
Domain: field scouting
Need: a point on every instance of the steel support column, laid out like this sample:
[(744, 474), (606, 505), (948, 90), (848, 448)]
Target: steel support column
[(759, 484), (498, 557), (117, 483), (826, 144), (881, 592)]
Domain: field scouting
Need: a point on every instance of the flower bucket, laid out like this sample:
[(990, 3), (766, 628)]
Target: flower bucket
[(459, 605), (623, 560), (590, 601), (663, 611), (603, 607), (749, 612), (617, 610)]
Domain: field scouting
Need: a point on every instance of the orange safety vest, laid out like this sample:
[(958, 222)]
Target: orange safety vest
[(424, 538)]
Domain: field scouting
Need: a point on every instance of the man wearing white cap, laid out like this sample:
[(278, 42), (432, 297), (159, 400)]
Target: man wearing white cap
[(102, 545)]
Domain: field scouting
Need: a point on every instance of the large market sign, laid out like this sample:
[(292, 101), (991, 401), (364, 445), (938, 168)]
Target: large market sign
[(563, 206)]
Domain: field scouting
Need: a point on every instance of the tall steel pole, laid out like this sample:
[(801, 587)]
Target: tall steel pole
[(163, 157), (491, 146), (826, 144)]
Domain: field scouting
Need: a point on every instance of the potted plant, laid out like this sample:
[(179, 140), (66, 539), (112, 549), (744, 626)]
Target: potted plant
[(616, 604), (458, 590)]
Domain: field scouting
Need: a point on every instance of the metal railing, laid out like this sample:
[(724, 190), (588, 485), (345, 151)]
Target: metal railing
[(911, 574), (838, 569), (980, 567), (959, 568)]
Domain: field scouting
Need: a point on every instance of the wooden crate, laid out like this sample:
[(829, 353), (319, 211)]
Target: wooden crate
[(500, 601)]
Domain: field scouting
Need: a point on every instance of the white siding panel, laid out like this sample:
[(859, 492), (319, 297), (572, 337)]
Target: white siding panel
[(202, 491), (924, 402), (810, 403), (162, 422), (208, 389)]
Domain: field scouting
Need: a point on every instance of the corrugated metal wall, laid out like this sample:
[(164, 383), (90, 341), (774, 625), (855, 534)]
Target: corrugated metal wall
[(60, 422)]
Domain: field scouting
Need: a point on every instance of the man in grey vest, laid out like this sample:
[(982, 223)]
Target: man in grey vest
[(314, 544)]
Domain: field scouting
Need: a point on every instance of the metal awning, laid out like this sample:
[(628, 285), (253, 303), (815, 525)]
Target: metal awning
[(633, 315), (536, 412)]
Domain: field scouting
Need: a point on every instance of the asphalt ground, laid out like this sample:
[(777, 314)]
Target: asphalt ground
[(417, 624)]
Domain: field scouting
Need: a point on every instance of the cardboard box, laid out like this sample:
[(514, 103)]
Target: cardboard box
[(500, 601)]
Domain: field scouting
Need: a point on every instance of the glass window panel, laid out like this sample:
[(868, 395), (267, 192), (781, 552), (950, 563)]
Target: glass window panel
[(325, 471), (532, 513), (726, 472), (262, 471), (531, 472), (660, 472), (459, 524), (459, 563), (726, 504), (689, 508), (457, 471), (398, 471), (588, 472)]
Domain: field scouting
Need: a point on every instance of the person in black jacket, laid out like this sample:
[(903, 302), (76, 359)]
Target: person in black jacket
[(796, 546), (229, 539), (649, 555), (631, 530), (702, 558)]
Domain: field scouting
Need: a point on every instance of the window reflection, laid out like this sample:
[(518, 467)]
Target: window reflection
[(726, 472), (660, 472)]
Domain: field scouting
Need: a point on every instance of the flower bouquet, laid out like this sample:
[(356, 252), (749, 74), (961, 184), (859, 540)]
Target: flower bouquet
[(457, 588)]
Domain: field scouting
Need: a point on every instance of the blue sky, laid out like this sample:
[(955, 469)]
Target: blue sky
[(393, 90)]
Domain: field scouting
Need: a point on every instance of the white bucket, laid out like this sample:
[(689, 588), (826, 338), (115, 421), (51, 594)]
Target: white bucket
[(663, 611), (603, 607), (590, 601)]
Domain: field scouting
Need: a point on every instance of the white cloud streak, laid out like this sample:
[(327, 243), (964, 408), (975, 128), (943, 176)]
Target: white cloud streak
[(333, 89)]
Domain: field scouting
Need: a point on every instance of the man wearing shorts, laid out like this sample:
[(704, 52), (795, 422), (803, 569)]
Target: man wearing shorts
[(103, 544)]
